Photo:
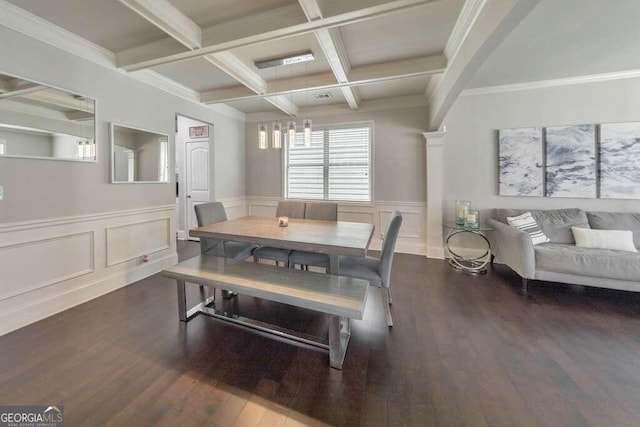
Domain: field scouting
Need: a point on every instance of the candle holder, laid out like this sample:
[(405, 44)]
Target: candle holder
[(283, 221), (462, 209), (472, 220)]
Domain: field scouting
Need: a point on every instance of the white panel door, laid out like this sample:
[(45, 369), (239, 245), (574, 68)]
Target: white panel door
[(198, 184)]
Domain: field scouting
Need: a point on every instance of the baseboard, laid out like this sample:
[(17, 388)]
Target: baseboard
[(43, 308)]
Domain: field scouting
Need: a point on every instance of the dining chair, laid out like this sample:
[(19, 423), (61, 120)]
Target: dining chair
[(288, 208), (211, 213), (376, 271), (323, 211)]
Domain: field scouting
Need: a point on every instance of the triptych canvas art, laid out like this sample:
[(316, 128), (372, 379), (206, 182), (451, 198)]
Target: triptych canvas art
[(580, 161)]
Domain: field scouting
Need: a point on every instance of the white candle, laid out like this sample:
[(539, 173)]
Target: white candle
[(283, 221), (471, 218), (462, 211)]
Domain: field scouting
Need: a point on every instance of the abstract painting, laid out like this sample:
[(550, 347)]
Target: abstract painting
[(620, 161), (520, 158), (571, 161)]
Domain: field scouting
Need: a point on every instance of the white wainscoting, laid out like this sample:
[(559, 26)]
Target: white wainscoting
[(412, 238), (51, 265)]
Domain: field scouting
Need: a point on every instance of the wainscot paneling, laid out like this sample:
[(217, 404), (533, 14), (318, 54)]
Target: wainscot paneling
[(412, 233), (54, 264)]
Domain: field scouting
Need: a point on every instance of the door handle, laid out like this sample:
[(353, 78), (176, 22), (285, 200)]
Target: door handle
[(188, 197)]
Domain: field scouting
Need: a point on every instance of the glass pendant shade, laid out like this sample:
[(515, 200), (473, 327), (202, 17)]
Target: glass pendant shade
[(307, 132), (277, 136), (291, 133), (262, 137)]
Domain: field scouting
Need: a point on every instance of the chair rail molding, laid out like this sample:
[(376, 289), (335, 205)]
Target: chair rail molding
[(51, 265), (412, 234), (435, 177)]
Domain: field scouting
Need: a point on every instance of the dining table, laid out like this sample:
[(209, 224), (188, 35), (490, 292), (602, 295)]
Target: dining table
[(334, 238)]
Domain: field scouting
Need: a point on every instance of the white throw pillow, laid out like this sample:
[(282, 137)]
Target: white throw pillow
[(526, 223), (620, 240)]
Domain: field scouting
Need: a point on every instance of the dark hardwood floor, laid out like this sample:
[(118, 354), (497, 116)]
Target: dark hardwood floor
[(464, 351)]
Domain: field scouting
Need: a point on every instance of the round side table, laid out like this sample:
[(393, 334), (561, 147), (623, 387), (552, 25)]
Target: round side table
[(471, 265)]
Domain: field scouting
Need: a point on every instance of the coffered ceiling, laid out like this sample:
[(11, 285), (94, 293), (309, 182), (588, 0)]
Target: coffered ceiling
[(424, 51), (367, 49)]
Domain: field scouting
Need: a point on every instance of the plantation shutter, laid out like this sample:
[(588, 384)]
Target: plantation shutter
[(335, 167)]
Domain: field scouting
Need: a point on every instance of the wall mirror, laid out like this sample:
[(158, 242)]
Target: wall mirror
[(42, 122), (138, 155)]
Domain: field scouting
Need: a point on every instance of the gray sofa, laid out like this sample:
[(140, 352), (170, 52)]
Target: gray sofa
[(561, 260)]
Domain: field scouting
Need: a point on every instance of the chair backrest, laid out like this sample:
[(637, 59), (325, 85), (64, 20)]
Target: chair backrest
[(324, 211), (210, 213), (291, 209), (388, 247)]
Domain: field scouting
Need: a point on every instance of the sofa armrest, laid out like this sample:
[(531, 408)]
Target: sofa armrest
[(513, 247)]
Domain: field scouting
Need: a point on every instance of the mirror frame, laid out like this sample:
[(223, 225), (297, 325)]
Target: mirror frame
[(112, 144), (95, 124)]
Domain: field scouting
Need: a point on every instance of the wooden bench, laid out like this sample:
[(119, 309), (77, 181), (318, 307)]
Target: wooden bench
[(342, 298)]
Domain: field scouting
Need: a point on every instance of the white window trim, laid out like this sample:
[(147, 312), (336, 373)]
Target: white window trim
[(341, 125)]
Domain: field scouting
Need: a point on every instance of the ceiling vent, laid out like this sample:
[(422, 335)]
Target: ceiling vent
[(322, 96)]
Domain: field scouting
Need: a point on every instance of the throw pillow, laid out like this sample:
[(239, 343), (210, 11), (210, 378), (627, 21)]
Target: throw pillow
[(620, 240), (526, 223)]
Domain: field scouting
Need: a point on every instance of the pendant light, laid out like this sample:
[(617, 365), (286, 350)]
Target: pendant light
[(263, 144), (277, 136), (306, 123), (291, 125)]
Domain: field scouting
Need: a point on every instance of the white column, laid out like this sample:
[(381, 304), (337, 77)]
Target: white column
[(435, 178)]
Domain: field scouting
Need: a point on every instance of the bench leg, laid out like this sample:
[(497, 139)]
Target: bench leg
[(182, 301), (386, 302), (339, 334)]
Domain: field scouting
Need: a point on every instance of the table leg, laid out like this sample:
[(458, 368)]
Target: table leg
[(334, 264), (182, 301)]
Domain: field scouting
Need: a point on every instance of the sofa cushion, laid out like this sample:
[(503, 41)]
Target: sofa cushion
[(620, 240), (605, 263), (555, 223), (616, 221)]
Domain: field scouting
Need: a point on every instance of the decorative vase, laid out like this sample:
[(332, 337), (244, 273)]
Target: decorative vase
[(472, 220), (462, 209)]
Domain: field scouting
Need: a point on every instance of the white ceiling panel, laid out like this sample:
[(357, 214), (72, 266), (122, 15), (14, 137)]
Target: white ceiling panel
[(417, 32), (284, 47), (198, 74), (109, 24), (206, 12), (391, 89), (255, 105), (566, 39)]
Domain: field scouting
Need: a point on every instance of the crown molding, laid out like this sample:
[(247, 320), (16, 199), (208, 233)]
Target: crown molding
[(33, 26), (542, 84), (384, 104)]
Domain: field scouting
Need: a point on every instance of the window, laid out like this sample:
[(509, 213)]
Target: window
[(337, 165), (164, 160)]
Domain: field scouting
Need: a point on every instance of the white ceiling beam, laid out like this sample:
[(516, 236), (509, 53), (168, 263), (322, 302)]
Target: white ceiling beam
[(66, 101), (333, 48), (366, 74), (239, 33), (23, 90), (169, 19), (172, 21), (481, 27)]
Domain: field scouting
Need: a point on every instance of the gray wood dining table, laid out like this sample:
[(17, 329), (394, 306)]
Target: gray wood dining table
[(333, 238)]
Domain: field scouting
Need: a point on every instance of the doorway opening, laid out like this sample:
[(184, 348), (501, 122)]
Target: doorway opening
[(194, 177)]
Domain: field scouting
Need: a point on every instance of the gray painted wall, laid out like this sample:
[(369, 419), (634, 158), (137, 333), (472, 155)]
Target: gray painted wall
[(36, 189), (399, 155), (470, 154)]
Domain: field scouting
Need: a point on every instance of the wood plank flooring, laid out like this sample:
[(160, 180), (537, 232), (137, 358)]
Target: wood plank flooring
[(464, 351)]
